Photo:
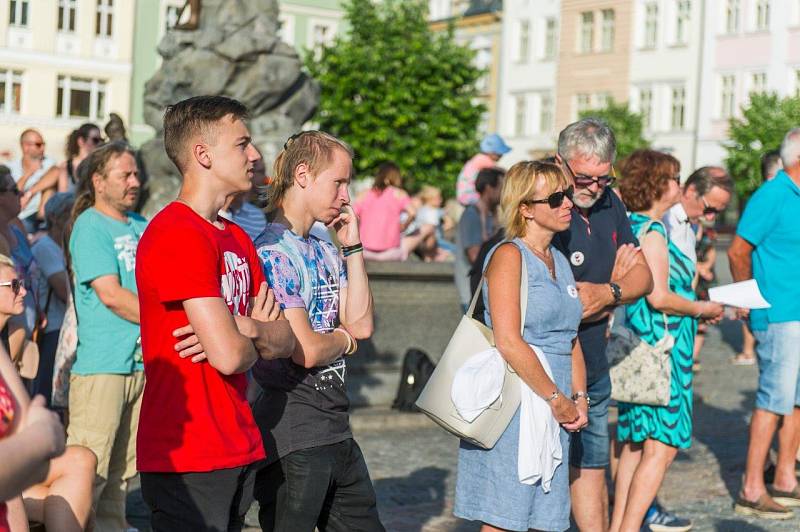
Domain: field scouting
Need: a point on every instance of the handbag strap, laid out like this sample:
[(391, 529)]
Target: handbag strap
[(523, 290), (639, 235)]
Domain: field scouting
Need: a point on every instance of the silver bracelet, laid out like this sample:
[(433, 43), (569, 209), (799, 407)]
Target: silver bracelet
[(556, 394)]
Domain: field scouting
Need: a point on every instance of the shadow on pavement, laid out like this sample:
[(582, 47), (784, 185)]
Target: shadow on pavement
[(732, 525), (423, 492), (725, 433)]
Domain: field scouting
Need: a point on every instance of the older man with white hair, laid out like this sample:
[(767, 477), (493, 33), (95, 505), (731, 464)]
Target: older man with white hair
[(609, 271), (767, 248)]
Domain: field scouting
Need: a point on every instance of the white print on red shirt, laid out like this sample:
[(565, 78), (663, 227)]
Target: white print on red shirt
[(236, 283)]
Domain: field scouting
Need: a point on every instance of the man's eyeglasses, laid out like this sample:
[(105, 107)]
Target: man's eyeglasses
[(37, 144), (15, 285), (708, 209), (585, 181), (556, 199)]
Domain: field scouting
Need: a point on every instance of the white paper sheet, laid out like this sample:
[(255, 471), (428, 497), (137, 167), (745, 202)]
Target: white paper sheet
[(742, 295)]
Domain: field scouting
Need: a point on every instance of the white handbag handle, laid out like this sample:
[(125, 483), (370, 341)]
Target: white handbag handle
[(523, 291)]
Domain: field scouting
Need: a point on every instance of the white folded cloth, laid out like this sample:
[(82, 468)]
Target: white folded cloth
[(540, 450), (479, 382)]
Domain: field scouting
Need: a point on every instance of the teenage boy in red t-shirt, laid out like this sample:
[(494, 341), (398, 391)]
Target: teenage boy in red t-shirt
[(197, 441)]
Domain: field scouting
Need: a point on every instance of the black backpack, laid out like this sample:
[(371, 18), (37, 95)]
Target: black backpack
[(417, 369)]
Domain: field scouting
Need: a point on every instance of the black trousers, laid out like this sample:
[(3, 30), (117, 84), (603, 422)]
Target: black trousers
[(327, 487), (216, 501)]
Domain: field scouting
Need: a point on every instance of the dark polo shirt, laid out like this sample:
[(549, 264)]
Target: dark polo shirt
[(591, 248)]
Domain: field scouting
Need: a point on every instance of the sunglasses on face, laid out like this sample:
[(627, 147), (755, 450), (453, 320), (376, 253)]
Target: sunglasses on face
[(37, 144), (585, 181), (13, 190), (95, 140), (15, 285), (708, 209), (556, 199)]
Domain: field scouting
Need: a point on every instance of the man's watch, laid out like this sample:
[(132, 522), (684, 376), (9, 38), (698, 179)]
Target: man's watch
[(616, 291)]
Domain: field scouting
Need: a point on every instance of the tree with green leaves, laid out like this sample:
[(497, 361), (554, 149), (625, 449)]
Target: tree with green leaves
[(628, 126), (761, 128), (397, 91)]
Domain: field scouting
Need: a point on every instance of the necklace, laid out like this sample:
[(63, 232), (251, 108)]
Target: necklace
[(546, 258)]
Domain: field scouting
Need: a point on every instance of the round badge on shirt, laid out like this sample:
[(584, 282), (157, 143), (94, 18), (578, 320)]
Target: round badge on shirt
[(576, 258), (572, 291)]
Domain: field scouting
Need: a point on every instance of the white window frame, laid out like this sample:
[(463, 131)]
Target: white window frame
[(795, 78), (646, 107), (727, 95), (732, 17), (15, 12), (550, 49), (322, 22), (546, 112), (608, 30), (586, 32), (675, 90), (439, 9), (761, 15), (683, 18), (69, 11), (650, 35), (11, 77), (583, 101), (287, 28), (520, 117), (758, 82), (93, 86), (523, 41), (105, 9)]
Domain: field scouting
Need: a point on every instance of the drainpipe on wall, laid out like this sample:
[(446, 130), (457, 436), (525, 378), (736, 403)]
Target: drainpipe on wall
[(699, 84)]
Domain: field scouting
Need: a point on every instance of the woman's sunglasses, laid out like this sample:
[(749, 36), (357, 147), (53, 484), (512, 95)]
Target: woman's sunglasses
[(15, 285), (556, 199)]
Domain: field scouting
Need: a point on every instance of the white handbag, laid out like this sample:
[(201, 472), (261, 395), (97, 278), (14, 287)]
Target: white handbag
[(469, 338)]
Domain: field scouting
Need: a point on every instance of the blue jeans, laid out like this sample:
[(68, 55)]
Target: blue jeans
[(590, 446), (778, 352)]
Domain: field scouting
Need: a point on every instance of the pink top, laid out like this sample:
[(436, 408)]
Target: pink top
[(379, 217), (465, 185)]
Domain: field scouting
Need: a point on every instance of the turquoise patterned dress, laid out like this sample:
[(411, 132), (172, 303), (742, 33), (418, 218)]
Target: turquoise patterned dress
[(671, 424)]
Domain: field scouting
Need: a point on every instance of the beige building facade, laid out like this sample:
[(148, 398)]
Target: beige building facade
[(62, 63), (478, 25), (594, 56)]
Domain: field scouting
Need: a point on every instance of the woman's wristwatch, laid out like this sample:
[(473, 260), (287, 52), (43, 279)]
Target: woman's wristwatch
[(578, 395)]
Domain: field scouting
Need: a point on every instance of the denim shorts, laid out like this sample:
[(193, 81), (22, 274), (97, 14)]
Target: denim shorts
[(778, 353), (590, 446), (488, 487)]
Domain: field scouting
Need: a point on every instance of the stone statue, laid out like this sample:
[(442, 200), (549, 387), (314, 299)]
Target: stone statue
[(115, 128), (235, 52)]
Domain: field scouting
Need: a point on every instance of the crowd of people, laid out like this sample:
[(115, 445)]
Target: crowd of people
[(206, 349)]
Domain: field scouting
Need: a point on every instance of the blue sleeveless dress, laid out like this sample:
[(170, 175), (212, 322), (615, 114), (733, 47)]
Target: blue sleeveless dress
[(671, 424), (487, 486)]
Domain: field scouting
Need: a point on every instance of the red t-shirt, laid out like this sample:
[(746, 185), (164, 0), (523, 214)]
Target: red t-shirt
[(193, 418)]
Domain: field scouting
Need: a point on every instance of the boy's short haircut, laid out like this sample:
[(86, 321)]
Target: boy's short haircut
[(196, 116)]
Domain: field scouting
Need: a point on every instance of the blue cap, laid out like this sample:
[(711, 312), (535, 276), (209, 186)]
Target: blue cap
[(494, 143)]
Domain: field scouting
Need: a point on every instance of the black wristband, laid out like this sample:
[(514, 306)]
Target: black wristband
[(352, 250), (354, 247)]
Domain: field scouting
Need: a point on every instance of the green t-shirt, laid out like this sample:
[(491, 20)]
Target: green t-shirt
[(100, 245)]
